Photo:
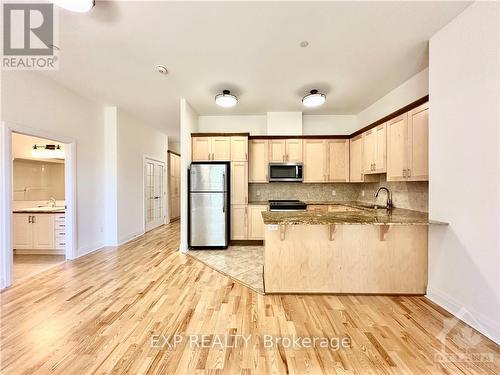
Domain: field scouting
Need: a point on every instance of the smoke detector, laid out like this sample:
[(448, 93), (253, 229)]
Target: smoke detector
[(162, 69)]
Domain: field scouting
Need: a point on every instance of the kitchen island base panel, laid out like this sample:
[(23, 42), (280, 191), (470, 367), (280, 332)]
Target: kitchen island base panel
[(358, 259)]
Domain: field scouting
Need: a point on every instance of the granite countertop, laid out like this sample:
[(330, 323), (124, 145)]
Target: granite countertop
[(365, 215), (39, 211)]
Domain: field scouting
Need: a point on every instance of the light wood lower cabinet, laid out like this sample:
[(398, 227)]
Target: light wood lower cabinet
[(258, 161), (239, 222), (23, 231), (255, 222), (174, 185)]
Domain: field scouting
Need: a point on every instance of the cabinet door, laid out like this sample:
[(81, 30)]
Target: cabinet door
[(221, 148), (418, 143), (23, 231), (43, 231), (239, 219), (356, 159), (397, 148), (369, 149), (239, 182), (239, 148), (314, 160), (277, 150), (294, 151), (381, 148), (338, 160), (255, 222), (258, 163), (201, 148)]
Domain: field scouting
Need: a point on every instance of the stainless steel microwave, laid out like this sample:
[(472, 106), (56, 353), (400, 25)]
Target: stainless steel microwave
[(286, 172)]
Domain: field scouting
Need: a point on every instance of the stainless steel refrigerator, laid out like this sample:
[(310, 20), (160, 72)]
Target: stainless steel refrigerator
[(209, 205)]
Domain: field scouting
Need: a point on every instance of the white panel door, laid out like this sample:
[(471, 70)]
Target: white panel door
[(154, 193)]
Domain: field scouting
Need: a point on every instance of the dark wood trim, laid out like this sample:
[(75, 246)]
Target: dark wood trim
[(346, 136), (390, 116), (397, 113), (220, 134), (246, 243), (173, 152)]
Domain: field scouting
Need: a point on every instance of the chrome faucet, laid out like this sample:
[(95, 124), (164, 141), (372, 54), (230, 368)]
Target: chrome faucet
[(388, 205), (52, 202)]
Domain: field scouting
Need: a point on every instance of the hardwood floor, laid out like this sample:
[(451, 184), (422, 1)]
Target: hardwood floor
[(111, 312), (27, 265)]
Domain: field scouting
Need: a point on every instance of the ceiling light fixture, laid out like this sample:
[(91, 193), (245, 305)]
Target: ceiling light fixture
[(47, 152), (80, 6), (314, 99), (226, 99), (161, 69)]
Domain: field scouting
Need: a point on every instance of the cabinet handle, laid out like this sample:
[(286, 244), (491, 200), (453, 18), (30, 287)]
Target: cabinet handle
[(409, 172), (29, 219), (246, 156), (33, 219), (208, 156)]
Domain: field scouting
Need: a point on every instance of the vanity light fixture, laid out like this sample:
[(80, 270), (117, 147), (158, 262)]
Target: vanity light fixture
[(80, 6), (226, 99), (47, 152), (314, 99)]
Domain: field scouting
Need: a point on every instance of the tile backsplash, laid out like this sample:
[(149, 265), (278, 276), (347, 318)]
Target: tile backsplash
[(410, 195)]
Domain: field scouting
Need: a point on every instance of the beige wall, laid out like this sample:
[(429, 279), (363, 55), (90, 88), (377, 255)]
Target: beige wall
[(37, 180)]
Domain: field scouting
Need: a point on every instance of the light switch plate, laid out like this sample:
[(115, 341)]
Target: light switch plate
[(334, 193)]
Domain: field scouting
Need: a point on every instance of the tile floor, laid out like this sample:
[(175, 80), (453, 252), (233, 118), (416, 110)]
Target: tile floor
[(26, 265), (242, 263)]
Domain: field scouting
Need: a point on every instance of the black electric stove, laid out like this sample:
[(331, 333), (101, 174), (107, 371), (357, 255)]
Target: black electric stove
[(287, 205)]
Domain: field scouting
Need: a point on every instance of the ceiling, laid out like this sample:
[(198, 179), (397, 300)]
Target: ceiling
[(358, 51)]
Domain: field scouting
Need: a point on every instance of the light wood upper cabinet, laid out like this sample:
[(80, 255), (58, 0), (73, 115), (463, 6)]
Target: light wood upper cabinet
[(255, 222), (211, 148), (338, 160), (221, 148), (277, 150), (408, 146), (285, 150), (374, 150), (239, 182), (356, 159), (397, 146), (315, 160), (239, 148), (418, 143), (239, 222), (294, 151), (201, 148), (258, 160)]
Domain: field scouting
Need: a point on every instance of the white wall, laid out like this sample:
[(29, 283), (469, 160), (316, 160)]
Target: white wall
[(134, 140), (329, 124), (189, 124), (174, 146), (253, 124), (32, 100), (464, 258), (414, 88), (284, 123)]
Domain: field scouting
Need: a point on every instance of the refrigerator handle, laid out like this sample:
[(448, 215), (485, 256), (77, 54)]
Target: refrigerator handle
[(224, 187)]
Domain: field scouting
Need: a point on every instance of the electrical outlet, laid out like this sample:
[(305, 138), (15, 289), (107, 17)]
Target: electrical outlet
[(362, 193), (334, 193)]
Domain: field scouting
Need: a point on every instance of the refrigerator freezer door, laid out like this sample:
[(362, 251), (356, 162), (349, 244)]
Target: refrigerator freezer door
[(208, 219), (208, 177)]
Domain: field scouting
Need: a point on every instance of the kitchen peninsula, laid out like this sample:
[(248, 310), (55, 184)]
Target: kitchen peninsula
[(346, 248)]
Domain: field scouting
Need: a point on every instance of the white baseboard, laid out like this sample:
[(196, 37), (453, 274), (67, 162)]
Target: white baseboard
[(475, 319), (128, 238), (84, 250)]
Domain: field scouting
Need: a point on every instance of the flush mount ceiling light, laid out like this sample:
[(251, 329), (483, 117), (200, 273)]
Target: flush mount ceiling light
[(226, 99), (314, 99), (80, 6), (47, 152), (162, 69)]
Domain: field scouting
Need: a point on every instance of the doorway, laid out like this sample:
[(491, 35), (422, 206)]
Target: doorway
[(154, 193), (37, 214)]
